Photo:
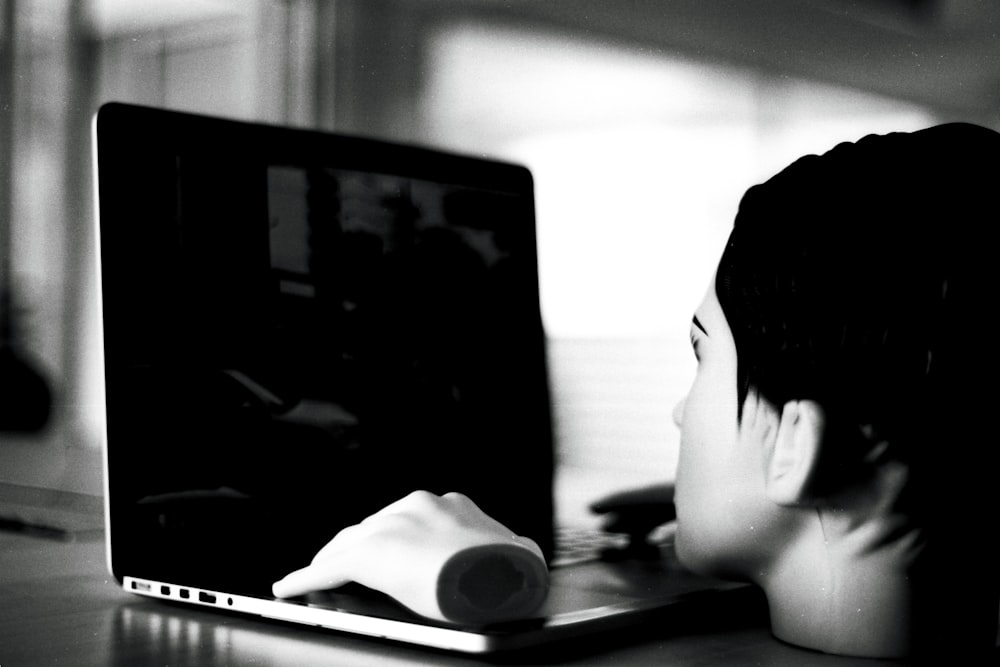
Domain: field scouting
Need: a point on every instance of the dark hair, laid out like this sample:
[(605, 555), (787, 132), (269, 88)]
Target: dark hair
[(860, 277)]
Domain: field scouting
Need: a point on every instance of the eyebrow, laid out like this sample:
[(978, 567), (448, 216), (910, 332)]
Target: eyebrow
[(698, 324)]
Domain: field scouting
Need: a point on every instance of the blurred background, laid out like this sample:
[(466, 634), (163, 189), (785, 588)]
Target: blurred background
[(643, 121)]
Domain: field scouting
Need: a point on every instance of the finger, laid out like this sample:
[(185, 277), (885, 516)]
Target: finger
[(397, 527), (463, 508), (468, 514), (310, 578), (343, 540), (653, 494), (417, 502), (460, 499)]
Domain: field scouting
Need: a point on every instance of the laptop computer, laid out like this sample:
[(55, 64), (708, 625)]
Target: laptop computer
[(300, 327)]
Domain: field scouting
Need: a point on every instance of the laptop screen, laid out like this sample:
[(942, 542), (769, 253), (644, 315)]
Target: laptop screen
[(301, 327)]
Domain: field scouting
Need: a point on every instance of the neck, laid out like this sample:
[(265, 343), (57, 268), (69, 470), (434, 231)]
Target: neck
[(873, 589), (837, 596)]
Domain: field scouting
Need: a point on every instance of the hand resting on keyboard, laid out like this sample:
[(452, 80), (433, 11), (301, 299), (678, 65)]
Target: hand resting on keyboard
[(440, 556), (636, 513)]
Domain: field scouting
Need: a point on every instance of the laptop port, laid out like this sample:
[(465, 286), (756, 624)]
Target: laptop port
[(185, 594), (206, 597)]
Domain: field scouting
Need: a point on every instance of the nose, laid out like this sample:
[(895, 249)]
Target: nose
[(678, 413)]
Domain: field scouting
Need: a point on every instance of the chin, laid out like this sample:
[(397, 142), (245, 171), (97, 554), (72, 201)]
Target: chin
[(692, 552), (709, 558)]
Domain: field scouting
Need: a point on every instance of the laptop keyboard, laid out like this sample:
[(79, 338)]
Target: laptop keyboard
[(580, 544)]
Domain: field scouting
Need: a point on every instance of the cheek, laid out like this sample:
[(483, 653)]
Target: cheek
[(707, 439), (719, 488)]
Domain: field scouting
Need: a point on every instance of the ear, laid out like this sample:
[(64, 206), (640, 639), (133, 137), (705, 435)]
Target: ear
[(793, 459)]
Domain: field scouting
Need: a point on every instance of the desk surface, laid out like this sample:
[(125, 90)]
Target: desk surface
[(59, 606)]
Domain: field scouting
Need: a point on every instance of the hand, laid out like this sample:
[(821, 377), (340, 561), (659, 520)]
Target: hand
[(440, 556), (637, 509), (636, 512)]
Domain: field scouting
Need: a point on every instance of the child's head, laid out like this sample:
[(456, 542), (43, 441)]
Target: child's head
[(856, 293)]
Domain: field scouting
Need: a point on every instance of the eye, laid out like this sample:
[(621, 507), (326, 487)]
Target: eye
[(696, 347)]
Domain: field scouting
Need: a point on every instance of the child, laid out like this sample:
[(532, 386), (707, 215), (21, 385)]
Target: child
[(837, 444)]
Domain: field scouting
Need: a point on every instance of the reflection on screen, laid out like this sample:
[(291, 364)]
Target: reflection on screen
[(300, 344)]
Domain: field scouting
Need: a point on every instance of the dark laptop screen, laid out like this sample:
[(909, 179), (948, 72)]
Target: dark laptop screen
[(301, 327)]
